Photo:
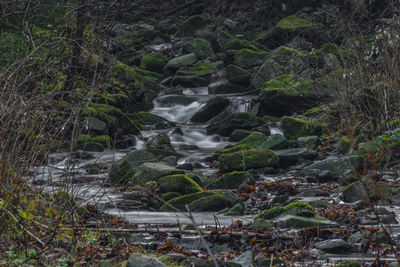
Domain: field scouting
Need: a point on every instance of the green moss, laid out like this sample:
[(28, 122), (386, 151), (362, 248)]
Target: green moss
[(254, 140), (295, 127), (179, 183), (293, 23), (154, 62), (232, 149), (288, 84), (248, 159), (201, 47), (170, 195), (236, 74), (344, 145), (246, 58), (232, 180), (201, 70), (215, 202), (97, 143), (180, 202), (120, 174), (287, 51), (278, 211), (237, 44)]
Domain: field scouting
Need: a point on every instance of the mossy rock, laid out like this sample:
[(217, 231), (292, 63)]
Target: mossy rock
[(150, 119), (152, 171), (310, 142), (368, 190), (178, 183), (236, 74), (97, 143), (344, 145), (294, 128), (181, 61), (232, 149), (287, 94), (248, 159), (214, 202), (192, 25), (154, 61), (237, 44), (254, 140), (294, 23), (180, 202), (278, 211), (95, 125), (293, 221), (170, 195), (247, 58), (201, 47), (195, 76), (232, 180), (227, 123)]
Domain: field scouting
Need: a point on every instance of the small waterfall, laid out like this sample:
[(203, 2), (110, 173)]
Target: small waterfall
[(177, 113), (196, 135), (275, 128), (240, 104)]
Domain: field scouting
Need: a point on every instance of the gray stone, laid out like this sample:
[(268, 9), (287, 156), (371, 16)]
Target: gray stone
[(94, 124), (245, 259), (336, 165), (139, 260), (226, 87), (185, 60), (276, 142), (359, 236), (288, 157), (152, 171), (293, 221), (239, 120), (310, 142), (213, 107), (365, 191), (312, 193), (337, 246)]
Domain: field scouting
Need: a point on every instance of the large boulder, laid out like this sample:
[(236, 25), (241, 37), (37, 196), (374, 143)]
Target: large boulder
[(282, 60), (122, 170), (213, 107), (248, 159), (232, 180), (276, 142), (286, 94), (254, 140), (337, 166), (236, 74), (240, 120), (310, 142), (152, 171), (301, 208), (201, 47), (154, 62), (161, 142), (366, 191), (296, 127), (247, 58), (178, 183), (337, 246), (193, 24), (195, 76), (181, 61)]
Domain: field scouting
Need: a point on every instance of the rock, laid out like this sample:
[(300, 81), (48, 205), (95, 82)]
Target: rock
[(261, 224), (128, 204), (201, 47), (359, 236), (236, 210), (192, 25), (276, 142), (310, 142), (232, 149), (154, 61), (344, 145), (152, 119), (186, 166), (246, 259), (195, 76), (134, 195), (289, 157), (295, 127), (281, 61), (351, 263), (293, 221), (312, 193), (213, 107), (173, 257), (232, 180), (293, 26), (286, 94), (180, 202), (226, 87), (254, 140), (236, 74), (170, 195), (239, 134), (95, 125), (152, 171), (122, 170), (366, 191), (247, 58), (178, 183), (97, 143), (248, 159), (240, 120), (139, 260), (237, 44), (214, 202), (181, 61), (336, 246), (161, 142), (170, 160), (281, 210), (161, 154), (337, 166)]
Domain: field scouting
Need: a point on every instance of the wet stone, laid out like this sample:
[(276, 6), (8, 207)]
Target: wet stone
[(336, 246)]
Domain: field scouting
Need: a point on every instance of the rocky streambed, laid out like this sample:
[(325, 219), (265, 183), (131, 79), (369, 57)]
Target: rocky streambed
[(263, 190)]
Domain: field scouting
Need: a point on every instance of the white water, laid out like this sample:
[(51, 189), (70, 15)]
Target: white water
[(177, 113)]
